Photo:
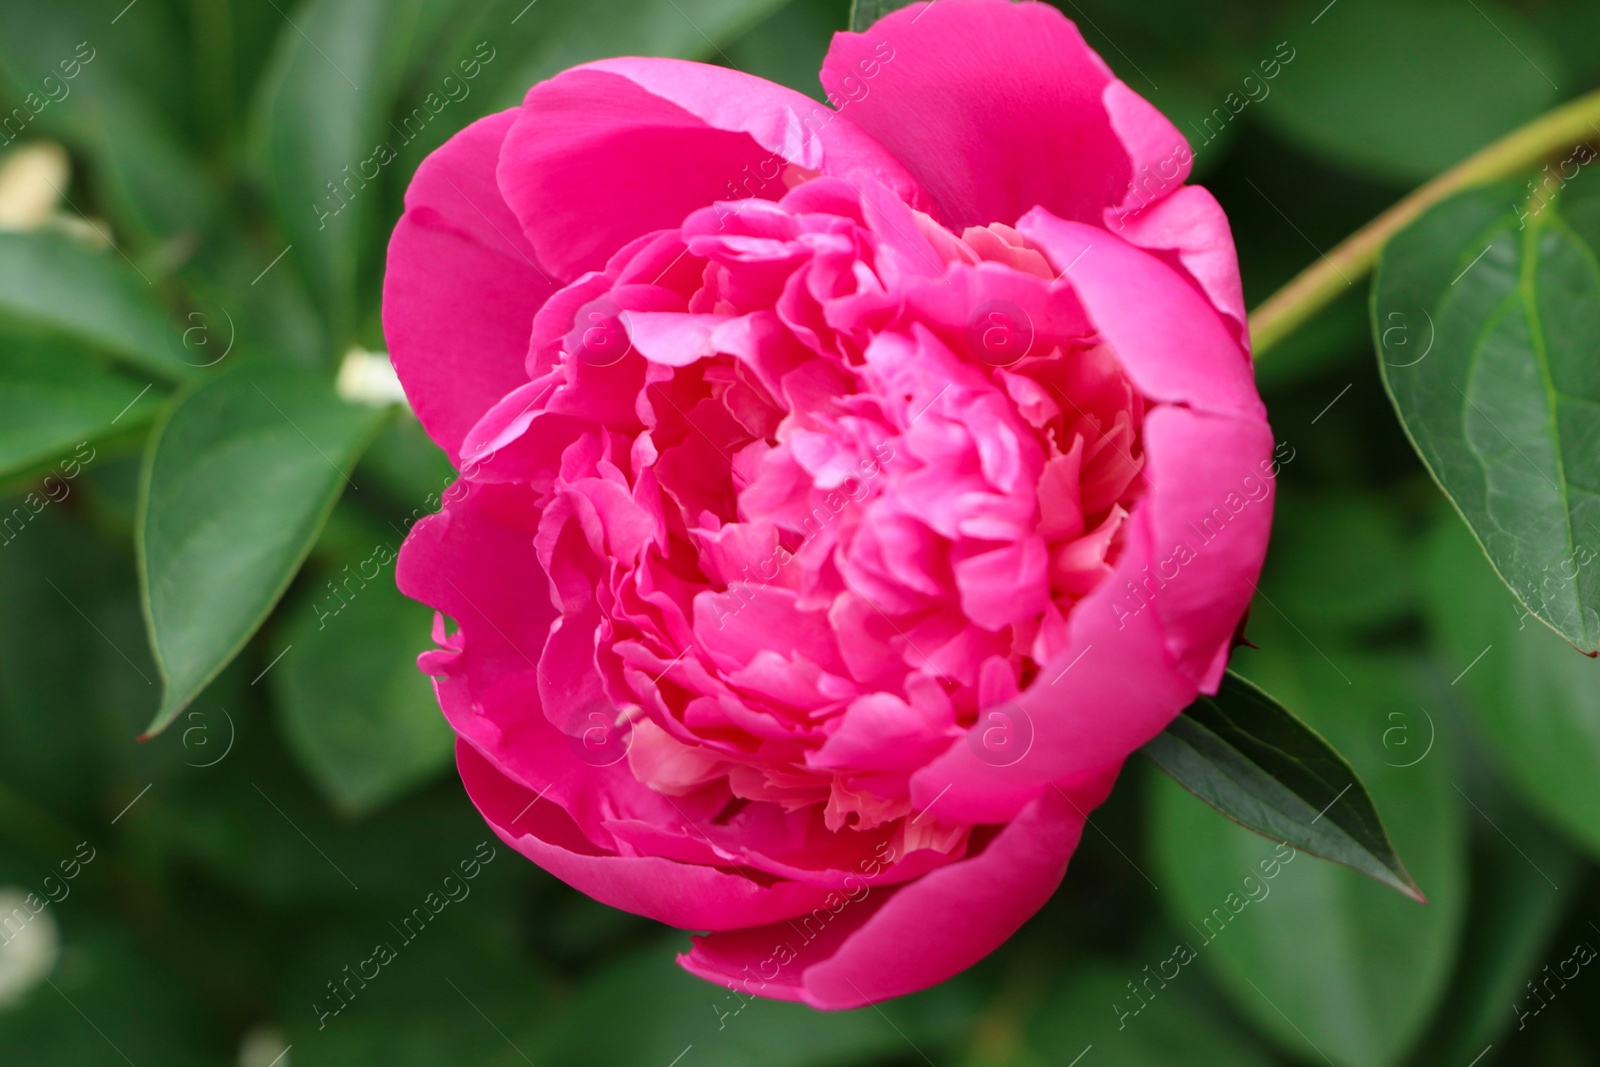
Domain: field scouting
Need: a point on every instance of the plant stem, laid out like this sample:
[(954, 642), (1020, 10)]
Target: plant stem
[(1316, 287)]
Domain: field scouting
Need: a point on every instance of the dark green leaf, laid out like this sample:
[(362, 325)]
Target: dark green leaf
[(238, 481), (1498, 387), (408, 469), (1248, 756), (1338, 336), (54, 397), (155, 181), (1538, 703), (1332, 966), (51, 283), (240, 822), (242, 304), (354, 708)]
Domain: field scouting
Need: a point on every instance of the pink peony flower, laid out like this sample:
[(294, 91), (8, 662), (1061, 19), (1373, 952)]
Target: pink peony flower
[(845, 493)]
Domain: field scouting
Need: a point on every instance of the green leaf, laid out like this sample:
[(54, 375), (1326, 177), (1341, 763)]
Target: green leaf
[(242, 304), (155, 182), (1330, 965), (54, 397), (238, 481), (325, 107), (240, 823), (51, 283), (408, 468), (863, 13), (355, 710), (1538, 703), (1498, 388), (1248, 756), (693, 29), (1402, 89)]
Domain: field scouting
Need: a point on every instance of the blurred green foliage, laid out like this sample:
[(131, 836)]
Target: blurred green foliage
[(300, 806)]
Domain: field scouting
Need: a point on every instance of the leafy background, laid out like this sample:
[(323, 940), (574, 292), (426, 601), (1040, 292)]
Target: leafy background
[(304, 799)]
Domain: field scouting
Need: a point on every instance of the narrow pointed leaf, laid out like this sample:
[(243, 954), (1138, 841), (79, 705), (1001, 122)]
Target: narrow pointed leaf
[(1250, 758), (1487, 319), (237, 484), (1359, 968)]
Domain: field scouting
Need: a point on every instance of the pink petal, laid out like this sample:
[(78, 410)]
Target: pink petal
[(461, 288), (1004, 585), (995, 107), (611, 150), (1160, 156), (679, 894), (1192, 224), (1211, 488), (474, 561), (869, 944), (881, 732), (1168, 337), (672, 338)]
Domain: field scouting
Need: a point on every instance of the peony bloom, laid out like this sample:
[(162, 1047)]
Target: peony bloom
[(845, 493)]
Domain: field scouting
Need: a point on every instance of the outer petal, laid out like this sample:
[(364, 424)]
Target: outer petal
[(1159, 155), (994, 107), (475, 561), (1167, 335), (606, 152), (462, 286), (1160, 213), (1191, 224), (1212, 491), (679, 894), (856, 951)]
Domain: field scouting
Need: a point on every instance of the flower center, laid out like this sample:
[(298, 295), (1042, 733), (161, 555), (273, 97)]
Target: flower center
[(843, 517)]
